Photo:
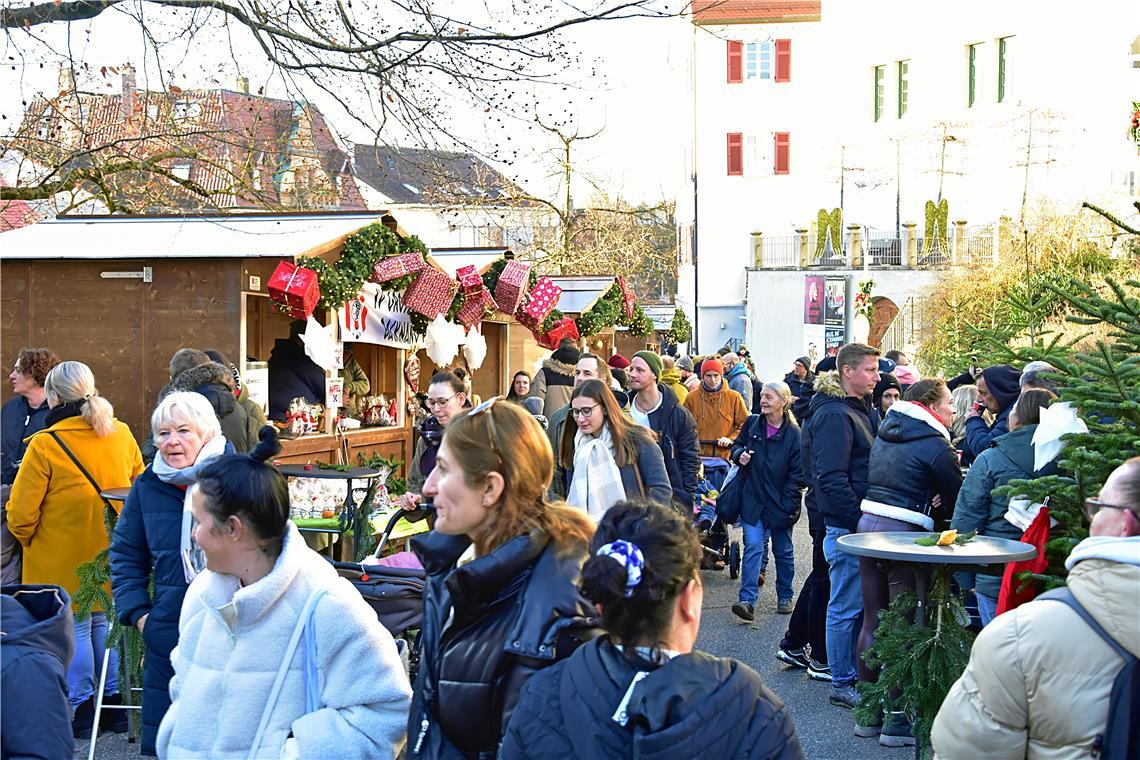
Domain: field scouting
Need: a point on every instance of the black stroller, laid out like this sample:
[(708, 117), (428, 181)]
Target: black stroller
[(721, 549), (396, 594)]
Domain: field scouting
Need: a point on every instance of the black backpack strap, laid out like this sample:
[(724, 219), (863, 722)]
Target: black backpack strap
[(82, 469), (1065, 596)]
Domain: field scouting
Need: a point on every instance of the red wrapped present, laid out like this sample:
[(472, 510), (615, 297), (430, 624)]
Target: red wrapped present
[(398, 266), (295, 288), (511, 288), (627, 297), (470, 281), (563, 328), (541, 300), (431, 294), (475, 308)]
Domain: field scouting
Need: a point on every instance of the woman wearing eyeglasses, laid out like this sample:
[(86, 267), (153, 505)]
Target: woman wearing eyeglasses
[(502, 564), (606, 457), (1009, 458), (447, 396)]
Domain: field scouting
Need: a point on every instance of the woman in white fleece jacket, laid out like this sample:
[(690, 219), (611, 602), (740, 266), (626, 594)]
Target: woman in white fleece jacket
[(236, 624)]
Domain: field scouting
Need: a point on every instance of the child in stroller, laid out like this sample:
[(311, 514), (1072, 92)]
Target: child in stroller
[(720, 552)]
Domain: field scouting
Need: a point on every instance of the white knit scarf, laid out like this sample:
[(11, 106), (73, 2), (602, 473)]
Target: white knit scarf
[(596, 485), (193, 559)]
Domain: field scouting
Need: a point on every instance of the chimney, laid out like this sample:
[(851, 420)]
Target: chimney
[(243, 85), (66, 79), (129, 89)]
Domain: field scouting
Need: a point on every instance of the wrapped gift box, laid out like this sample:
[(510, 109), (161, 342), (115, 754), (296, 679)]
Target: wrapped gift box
[(627, 297), (563, 328), (470, 281), (431, 294), (511, 288), (295, 288), (475, 308), (541, 300), (398, 266)]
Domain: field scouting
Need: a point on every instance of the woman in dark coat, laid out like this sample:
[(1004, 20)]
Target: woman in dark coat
[(768, 452), (642, 690), (605, 457), (913, 479), (502, 600), (801, 382), (150, 535)]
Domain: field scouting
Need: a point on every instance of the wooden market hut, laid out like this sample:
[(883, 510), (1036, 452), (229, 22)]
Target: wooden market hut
[(123, 293)]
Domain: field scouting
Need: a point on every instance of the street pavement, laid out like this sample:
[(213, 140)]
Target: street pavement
[(825, 731)]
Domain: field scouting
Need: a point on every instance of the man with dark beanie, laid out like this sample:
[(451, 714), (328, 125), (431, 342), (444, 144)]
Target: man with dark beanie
[(998, 388), (554, 382), (655, 405)]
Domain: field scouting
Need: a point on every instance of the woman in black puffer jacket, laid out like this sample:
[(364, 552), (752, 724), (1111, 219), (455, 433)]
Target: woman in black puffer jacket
[(913, 480), (502, 600), (642, 690)]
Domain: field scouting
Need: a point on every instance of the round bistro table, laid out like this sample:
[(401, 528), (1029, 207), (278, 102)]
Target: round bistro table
[(982, 554), (350, 520), (115, 494)]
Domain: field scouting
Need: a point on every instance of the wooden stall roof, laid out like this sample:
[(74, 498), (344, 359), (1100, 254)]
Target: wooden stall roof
[(660, 313), (580, 293), (191, 236), (450, 259)]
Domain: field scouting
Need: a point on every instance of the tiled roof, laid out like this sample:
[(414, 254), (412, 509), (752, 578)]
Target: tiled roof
[(16, 214), (408, 175), (754, 11), (248, 151)]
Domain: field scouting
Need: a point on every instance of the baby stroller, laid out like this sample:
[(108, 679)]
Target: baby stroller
[(396, 594), (718, 545)]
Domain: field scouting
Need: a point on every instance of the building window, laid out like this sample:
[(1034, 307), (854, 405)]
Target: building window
[(1002, 68), (904, 92), (972, 76), (735, 62), (783, 60), (735, 154), (181, 170), (880, 77), (783, 152), (186, 109), (758, 60)]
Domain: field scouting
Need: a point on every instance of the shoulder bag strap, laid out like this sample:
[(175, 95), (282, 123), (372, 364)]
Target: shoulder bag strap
[(286, 660), (82, 469), (1064, 595), (640, 484)]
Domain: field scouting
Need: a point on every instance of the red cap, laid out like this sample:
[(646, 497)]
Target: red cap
[(712, 365), (617, 361)]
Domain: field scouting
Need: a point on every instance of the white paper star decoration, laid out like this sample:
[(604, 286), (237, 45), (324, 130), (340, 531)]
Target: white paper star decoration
[(320, 344), (442, 341), (476, 349)]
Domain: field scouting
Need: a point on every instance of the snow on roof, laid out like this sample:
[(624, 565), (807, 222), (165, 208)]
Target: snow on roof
[(451, 259), (579, 293), (130, 237)]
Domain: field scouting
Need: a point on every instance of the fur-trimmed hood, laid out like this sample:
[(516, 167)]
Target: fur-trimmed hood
[(828, 384), (562, 368), (210, 373)]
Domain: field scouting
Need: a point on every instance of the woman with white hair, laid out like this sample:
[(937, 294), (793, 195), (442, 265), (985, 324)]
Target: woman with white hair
[(153, 537), (57, 514)]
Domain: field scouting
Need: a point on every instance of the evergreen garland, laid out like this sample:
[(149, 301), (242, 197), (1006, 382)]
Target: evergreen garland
[(917, 665), (680, 330), (602, 315)]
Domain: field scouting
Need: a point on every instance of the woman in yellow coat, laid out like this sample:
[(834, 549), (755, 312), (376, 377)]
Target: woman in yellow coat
[(56, 513)]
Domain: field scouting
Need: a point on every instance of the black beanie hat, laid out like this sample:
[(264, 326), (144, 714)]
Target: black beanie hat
[(886, 382), (1003, 382)]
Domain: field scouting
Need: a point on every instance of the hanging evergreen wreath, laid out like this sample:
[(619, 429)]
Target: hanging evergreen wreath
[(680, 330)]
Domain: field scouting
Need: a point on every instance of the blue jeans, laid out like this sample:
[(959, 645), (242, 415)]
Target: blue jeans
[(756, 551), (987, 608), (90, 648), (844, 609)]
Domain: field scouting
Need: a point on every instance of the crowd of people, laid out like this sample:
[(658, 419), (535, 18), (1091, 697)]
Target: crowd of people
[(563, 591)]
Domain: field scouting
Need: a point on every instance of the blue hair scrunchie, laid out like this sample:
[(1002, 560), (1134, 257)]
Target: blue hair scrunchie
[(630, 557)]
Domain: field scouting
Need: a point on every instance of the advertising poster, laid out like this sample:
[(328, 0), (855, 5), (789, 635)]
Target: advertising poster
[(835, 302), (813, 343), (813, 300), (832, 339)]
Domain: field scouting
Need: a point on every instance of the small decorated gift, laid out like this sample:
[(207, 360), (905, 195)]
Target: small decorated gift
[(475, 308), (627, 297), (511, 287), (470, 281), (295, 288), (431, 294), (541, 300), (563, 328), (397, 266)]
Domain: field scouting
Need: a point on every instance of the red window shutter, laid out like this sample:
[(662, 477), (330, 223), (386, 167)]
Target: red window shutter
[(735, 62), (783, 61), (735, 154), (783, 152)]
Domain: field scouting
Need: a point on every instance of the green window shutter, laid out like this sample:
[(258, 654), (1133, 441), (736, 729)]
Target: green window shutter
[(972, 74), (878, 93), (1001, 70), (903, 87)]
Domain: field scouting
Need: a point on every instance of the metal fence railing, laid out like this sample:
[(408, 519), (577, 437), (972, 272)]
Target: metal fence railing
[(781, 250), (882, 248), (978, 248)]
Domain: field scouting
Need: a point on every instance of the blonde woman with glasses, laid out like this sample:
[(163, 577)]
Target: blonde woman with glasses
[(502, 600)]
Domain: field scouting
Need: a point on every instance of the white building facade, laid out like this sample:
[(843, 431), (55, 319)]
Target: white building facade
[(992, 107)]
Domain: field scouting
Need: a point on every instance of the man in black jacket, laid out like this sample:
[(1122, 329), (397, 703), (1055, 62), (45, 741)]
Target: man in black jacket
[(292, 374), (676, 430), (836, 448)]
